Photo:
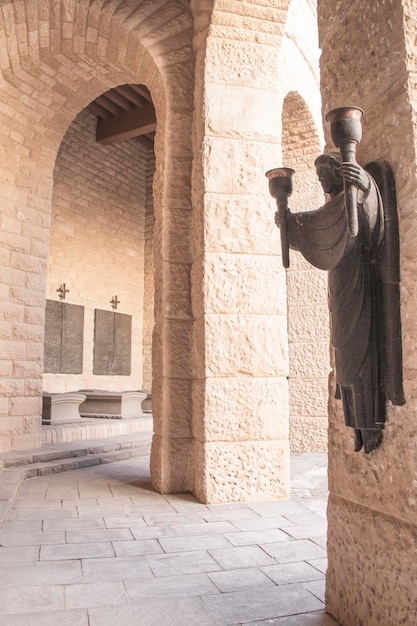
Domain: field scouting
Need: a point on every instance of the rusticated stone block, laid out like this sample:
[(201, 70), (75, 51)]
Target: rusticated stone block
[(240, 409), (244, 283), (243, 224), (242, 471), (308, 434), (247, 345)]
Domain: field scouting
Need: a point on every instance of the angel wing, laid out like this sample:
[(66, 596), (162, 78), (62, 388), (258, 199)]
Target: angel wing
[(388, 297)]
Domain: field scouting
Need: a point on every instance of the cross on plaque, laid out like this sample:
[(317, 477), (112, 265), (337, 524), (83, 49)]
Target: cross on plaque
[(62, 290), (114, 302)]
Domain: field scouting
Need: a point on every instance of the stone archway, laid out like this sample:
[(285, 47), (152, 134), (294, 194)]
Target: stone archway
[(56, 59)]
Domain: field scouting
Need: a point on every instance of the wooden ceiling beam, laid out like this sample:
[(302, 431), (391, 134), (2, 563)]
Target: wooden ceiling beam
[(131, 95), (127, 125), (98, 110), (118, 99), (142, 91), (107, 104)]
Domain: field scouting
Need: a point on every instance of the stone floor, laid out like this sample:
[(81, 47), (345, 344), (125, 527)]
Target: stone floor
[(98, 547)]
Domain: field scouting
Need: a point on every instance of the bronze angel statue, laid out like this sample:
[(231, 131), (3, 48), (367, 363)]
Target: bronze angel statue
[(362, 262)]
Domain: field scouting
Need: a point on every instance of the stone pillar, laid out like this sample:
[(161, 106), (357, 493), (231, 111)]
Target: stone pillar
[(369, 59), (240, 394)]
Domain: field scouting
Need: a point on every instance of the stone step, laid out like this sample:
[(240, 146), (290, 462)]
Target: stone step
[(53, 459)]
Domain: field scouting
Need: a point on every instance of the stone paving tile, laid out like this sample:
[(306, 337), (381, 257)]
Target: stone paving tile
[(184, 586), (42, 573), (25, 526), (91, 536), (297, 550), (73, 502), (152, 532), (73, 524), (229, 514), (278, 508), (124, 522), (75, 551), (193, 542), (100, 511), (38, 503), (306, 517), (150, 510), (137, 548), (49, 618), (90, 595), (42, 514), (31, 539), (318, 618), (115, 569), (184, 563), (320, 541), (320, 564), (317, 587), (306, 531), (172, 518), (253, 537), (260, 603), (286, 573), (262, 523), (236, 579), (19, 554), (244, 556), (205, 528), (155, 612), (26, 599)]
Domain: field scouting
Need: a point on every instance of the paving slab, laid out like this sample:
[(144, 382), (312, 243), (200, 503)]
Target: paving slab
[(123, 554), (155, 612), (185, 586), (49, 618), (258, 603), (234, 580), (116, 569), (90, 595), (184, 563)]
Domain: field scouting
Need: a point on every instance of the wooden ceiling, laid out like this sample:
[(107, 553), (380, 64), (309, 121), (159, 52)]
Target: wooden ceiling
[(125, 112)]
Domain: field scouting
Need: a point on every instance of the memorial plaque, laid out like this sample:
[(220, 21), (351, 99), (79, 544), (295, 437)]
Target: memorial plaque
[(112, 343), (64, 334)]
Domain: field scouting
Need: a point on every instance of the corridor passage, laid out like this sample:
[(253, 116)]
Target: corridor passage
[(98, 547)]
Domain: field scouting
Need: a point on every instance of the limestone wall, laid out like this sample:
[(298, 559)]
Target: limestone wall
[(97, 242), (369, 60)]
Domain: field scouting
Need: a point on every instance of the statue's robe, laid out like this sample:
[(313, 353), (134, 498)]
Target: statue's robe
[(356, 301)]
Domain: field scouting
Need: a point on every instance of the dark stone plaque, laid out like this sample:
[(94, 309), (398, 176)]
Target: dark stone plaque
[(112, 343), (64, 331)]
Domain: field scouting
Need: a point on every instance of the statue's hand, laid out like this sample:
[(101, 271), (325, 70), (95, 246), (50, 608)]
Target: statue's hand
[(355, 174), (277, 219), (280, 220)]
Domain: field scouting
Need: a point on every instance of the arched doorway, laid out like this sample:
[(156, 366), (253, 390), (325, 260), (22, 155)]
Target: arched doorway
[(57, 60)]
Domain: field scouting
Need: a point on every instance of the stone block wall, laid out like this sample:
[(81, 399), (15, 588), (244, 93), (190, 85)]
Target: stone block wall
[(97, 242), (368, 60)]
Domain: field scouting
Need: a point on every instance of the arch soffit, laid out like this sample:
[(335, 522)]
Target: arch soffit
[(57, 57)]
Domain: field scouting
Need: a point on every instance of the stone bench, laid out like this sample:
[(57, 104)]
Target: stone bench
[(59, 408), (112, 404)]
